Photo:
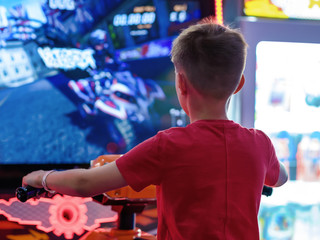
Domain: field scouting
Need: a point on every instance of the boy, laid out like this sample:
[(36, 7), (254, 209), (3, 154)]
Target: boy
[(210, 174)]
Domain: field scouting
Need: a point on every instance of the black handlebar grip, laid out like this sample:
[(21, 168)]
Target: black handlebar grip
[(267, 191), (25, 193)]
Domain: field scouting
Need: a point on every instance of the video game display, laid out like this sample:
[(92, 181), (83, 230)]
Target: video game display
[(83, 78), (295, 9)]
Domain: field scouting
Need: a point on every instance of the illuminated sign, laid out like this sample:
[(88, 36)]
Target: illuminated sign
[(61, 215), (62, 4), (299, 9), (67, 58)]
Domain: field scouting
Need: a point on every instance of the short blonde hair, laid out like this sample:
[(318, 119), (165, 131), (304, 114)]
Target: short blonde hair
[(213, 57)]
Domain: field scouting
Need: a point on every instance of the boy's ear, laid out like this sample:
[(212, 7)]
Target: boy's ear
[(242, 81), (182, 83)]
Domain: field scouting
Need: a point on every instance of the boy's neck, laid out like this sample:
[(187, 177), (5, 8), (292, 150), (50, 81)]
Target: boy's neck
[(207, 109)]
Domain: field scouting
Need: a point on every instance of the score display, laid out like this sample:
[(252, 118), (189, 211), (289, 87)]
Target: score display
[(179, 13), (147, 15), (140, 15), (142, 23), (140, 20)]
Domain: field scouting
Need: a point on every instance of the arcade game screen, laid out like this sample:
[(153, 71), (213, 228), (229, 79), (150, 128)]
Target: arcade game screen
[(293, 9), (81, 78)]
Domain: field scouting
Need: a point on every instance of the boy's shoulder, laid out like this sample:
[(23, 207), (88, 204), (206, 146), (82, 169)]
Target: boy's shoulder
[(210, 124), (197, 128)]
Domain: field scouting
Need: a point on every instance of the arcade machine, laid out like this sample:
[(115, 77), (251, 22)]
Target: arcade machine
[(81, 79), (281, 97)]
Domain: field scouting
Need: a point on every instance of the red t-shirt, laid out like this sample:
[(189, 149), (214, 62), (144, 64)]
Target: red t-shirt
[(209, 178)]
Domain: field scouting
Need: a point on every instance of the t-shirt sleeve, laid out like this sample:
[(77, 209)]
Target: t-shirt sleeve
[(273, 169), (141, 167)]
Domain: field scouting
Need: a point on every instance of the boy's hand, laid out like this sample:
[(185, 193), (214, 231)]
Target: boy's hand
[(33, 179)]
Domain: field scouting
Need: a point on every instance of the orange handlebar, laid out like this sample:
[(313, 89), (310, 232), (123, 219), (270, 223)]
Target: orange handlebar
[(127, 193)]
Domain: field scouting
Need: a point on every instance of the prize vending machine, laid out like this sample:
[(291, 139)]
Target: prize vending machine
[(282, 97)]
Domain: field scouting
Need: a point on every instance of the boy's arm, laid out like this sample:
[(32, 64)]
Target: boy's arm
[(79, 182), (283, 176)]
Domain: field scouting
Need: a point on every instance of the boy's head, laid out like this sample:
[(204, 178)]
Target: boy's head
[(212, 57)]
